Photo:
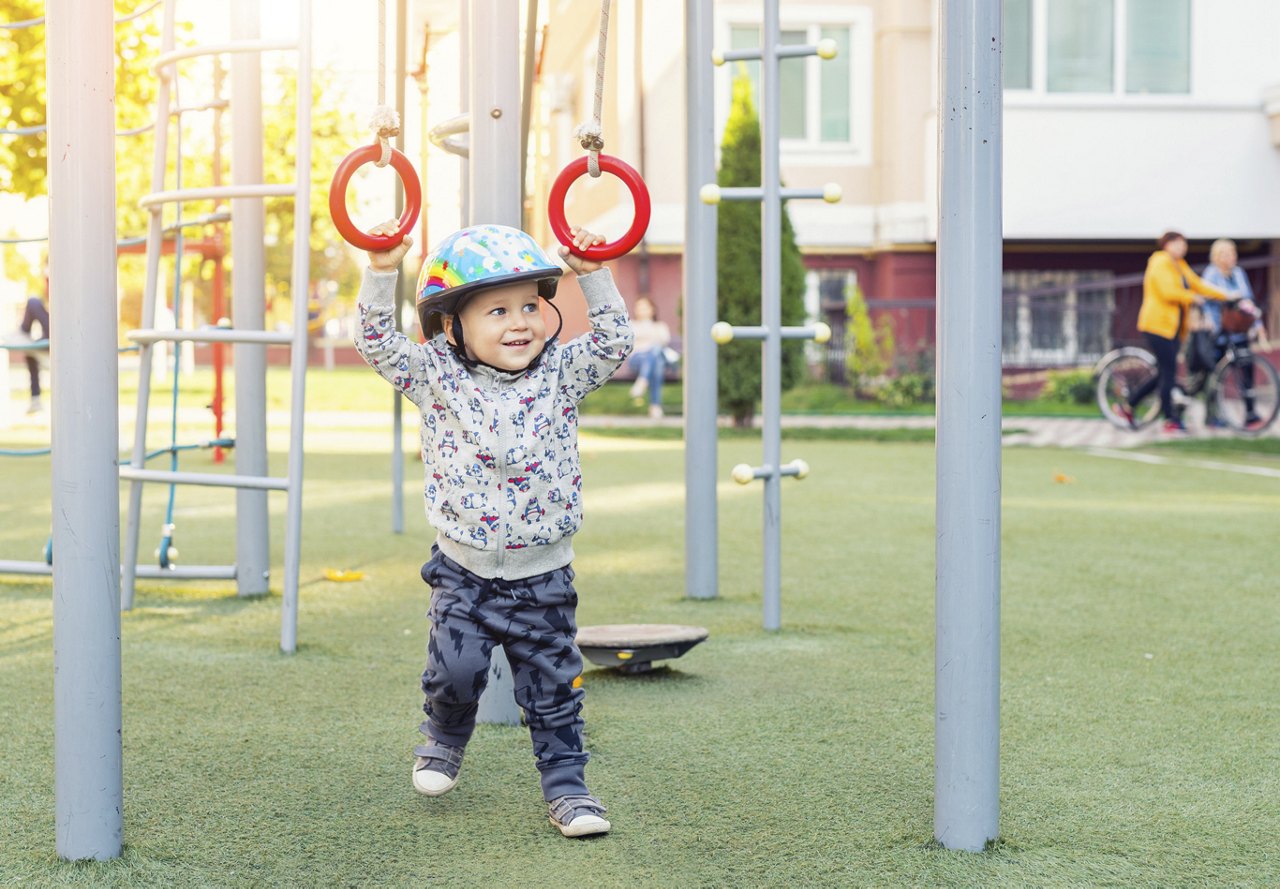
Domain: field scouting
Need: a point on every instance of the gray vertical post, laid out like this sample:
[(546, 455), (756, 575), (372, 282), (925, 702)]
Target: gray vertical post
[(464, 87), (301, 281), (700, 473), (155, 245), (494, 78), (967, 665), (248, 304), (88, 779), (771, 316), (402, 283)]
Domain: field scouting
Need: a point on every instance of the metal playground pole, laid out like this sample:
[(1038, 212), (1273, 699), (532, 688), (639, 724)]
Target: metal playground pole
[(967, 658), (88, 782), (700, 535), (493, 40), (771, 330)]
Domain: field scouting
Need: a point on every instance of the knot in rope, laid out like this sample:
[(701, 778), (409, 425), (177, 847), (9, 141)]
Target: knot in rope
[(590, 137), (386, 123)]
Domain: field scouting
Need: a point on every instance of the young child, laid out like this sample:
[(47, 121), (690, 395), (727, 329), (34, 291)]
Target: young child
[(499, 400)]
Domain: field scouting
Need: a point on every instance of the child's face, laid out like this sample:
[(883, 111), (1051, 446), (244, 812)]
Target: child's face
[(504, 326)]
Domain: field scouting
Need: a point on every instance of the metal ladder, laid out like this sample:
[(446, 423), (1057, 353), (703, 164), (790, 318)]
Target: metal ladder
[(136, 473)]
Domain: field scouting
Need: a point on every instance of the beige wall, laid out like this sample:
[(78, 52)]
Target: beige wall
[(884, 184)]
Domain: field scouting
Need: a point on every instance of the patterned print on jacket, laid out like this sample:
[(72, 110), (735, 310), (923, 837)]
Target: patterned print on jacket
[(502, 474)]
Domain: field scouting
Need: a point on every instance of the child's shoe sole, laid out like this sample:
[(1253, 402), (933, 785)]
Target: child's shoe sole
[(583, 826)]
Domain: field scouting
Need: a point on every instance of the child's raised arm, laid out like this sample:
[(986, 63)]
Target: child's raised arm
[(411, 367), (590, 360)]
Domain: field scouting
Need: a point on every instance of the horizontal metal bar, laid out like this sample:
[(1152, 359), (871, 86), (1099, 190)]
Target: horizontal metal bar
[(719, 57), (211, 105), (213, 49), (128, 17), (25, 452), (209, 479), (797, 50), (722, 332), (212, 335), (24, 131), (30, 346), (207, 219), (187, 572), (742, 194), (12, 567), (41, 128), (25, 23), (714, 194), (219, 193), (808, 194), (745, 473)]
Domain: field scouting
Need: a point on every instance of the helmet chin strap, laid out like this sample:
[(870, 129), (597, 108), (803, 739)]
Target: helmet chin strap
[(459, 347)]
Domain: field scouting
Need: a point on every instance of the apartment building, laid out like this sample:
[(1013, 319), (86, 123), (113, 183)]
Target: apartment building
[(1123, 118)]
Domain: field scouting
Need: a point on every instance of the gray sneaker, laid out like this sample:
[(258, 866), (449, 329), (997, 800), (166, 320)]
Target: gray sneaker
[(578, 816), (435, 771)]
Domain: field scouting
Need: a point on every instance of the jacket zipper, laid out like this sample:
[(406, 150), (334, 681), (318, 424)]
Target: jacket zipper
[(501, 458)]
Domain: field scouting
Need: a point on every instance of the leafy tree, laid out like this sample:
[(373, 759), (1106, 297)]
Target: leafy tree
[(738, 249), (23, 98)]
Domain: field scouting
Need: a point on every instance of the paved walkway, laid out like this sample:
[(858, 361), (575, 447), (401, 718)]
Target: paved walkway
[(1067, 432)]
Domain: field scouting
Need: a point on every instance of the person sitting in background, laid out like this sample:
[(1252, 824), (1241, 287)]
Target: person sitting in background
[(35, 313), (1169, 289), (649, 359)]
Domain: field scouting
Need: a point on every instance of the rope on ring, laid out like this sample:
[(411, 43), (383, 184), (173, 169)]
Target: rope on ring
[(591, 135), (385, 121)]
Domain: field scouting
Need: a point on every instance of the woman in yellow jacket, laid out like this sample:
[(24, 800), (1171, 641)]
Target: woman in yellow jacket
[(1169, 289)]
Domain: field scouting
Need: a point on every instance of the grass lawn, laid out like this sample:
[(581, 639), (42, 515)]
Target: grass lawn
[(1139, 718)]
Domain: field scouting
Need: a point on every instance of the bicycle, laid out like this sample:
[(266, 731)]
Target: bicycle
[(1224, 387)]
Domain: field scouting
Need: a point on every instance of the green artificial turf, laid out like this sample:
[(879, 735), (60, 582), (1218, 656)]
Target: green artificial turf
[(1139, 718)]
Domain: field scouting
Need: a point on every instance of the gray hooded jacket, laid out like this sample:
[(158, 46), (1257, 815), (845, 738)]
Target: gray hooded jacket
[(503, 484)]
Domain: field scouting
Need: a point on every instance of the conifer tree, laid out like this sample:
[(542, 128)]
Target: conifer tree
[(738, 282)]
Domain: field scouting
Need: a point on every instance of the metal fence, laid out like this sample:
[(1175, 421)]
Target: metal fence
[(1051, 320)]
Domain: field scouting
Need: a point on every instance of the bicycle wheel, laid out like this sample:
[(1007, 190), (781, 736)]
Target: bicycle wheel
[(1123, 372), (1233, 392)]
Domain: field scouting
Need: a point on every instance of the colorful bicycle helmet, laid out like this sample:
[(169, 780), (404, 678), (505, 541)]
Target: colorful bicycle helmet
[(477, 258)]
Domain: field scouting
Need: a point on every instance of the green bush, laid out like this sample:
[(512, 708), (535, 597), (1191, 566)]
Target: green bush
[(906, 390), (871, 347), (1069, 387)]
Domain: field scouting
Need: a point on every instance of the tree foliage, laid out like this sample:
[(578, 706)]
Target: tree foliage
[(23, 98), (738, 276)]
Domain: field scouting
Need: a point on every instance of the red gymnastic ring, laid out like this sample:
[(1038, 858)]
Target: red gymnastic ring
[(639, 195), (338, 198)]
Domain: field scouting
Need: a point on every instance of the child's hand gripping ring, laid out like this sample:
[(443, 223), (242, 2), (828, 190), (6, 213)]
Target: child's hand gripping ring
[(338, 199), (639, 196)]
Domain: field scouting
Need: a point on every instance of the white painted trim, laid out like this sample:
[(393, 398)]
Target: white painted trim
[(812, 152)]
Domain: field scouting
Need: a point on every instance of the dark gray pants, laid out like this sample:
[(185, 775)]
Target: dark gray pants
[(533, 620)]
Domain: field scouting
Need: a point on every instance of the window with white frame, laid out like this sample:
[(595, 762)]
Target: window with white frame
[(1056, 318), (825, 104), (1118, 47)]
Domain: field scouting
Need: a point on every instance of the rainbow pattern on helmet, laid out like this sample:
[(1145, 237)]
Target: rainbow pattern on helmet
[(481, 256)]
